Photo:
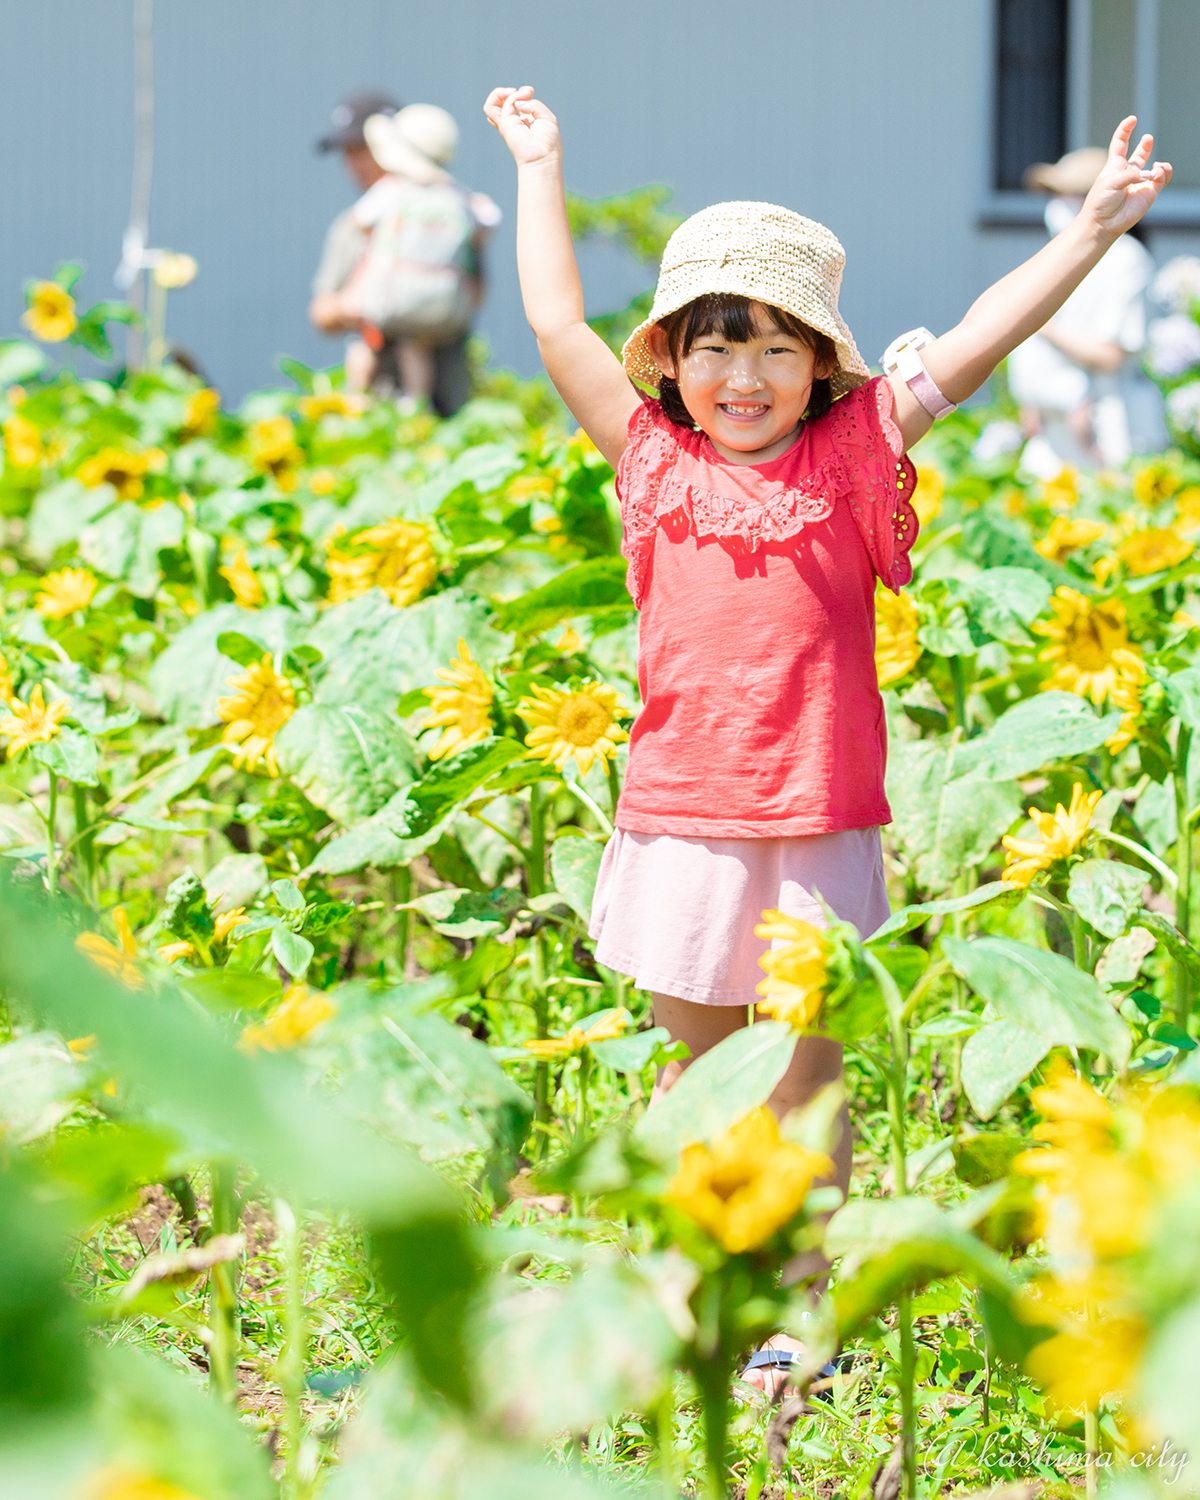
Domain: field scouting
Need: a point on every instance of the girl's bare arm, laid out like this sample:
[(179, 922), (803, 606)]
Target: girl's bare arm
[(585, 371), (1027, 298)]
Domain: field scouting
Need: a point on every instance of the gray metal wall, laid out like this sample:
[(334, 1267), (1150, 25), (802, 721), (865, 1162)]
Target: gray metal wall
[(871, 116)]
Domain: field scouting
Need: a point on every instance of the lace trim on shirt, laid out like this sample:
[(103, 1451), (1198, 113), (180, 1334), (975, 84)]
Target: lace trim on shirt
[(653, 497), (868, 466), (881, 479)]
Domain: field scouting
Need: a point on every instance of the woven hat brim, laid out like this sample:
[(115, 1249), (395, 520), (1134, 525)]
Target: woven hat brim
[(640, 366)]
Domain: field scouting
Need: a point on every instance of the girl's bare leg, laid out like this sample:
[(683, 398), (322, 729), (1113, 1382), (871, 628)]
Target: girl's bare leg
[(816, 1062), (700, 1026)]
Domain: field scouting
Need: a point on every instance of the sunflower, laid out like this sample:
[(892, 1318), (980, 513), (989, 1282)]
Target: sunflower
[(607, 1029), (1153, 550), (1103, 1174), (531, 487), (748, 1185), (927, 497), (125, 471), (200, 414), (1083, 1364), (8, 683), (225, 922), (169, 952), (1062, 492), (292, 1021), (273, 451), (23, 443), (581, 724), (64, 592), (1154, 483), (223, 925), (31, 722), (464, 709), (262, 705), (896, 644), (50, 312), (120, 1483), (797, 972), (1060, 834), (1126, 694), (332, 403), (397, 557), (1085, 636), (322, 481), (1066, 535), (243, 580), (115, 960), (1187, 507)]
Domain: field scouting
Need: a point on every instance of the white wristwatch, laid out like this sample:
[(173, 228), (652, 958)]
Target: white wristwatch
[(903, 354)]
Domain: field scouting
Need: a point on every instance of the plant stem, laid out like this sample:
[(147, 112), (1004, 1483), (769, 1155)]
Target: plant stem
[(85, 842), (896, 1080), (1183, 873), (614, 784), (536, 858), (908, 1413), (223, 1315), (180, 1188), (1106, 835), (958, 678), (52, 838), (664, 1437), (290, 1370), (1079, 942), (402, 892), (594, 807), (986, 1400), (713, 1376), (581, 1114), (541, 1013)]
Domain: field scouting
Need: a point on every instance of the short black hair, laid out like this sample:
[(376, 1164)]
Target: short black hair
[(732, 317)]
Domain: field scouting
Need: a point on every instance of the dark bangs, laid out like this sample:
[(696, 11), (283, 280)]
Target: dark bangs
[(732, 318)]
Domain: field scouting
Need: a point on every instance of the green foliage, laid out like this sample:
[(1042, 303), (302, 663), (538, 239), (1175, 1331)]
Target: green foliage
[(317, 935), (635, 220)]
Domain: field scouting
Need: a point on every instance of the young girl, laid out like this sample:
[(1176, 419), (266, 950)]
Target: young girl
[(764, 489)]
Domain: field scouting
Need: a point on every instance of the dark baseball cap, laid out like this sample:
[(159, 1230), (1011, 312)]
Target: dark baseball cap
[(349, 117)]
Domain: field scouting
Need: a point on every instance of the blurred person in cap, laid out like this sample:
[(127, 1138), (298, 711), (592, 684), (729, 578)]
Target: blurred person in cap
[(402, 267), (1084, 400)]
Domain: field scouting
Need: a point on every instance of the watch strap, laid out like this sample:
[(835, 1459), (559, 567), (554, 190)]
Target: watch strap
[(919, 381)]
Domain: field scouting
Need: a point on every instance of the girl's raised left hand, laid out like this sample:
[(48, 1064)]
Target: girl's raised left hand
[(1126, 188), (529, 129)]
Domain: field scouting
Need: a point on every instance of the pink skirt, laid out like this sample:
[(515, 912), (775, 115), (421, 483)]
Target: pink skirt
[(678, 914)]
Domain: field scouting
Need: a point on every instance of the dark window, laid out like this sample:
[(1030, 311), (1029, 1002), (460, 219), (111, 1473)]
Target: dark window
[(1031, 86)]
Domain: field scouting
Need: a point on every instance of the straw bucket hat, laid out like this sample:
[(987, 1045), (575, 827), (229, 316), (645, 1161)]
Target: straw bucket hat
[(1071, 176), (418, 142), (759, 251)]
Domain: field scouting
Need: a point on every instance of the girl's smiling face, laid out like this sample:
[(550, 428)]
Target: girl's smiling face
[(748, 396)]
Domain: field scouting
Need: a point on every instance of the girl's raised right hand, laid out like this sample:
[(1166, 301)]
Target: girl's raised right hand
[(530, 131)]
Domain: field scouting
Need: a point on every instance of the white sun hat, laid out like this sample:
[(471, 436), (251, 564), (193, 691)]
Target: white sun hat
[(763, 252), (417, 142)]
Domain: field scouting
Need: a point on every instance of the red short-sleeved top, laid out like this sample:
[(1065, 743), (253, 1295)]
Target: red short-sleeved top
[(756, 585)]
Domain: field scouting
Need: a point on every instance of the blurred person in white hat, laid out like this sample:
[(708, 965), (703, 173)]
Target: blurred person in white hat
[(405, 284), (1085, 402)]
